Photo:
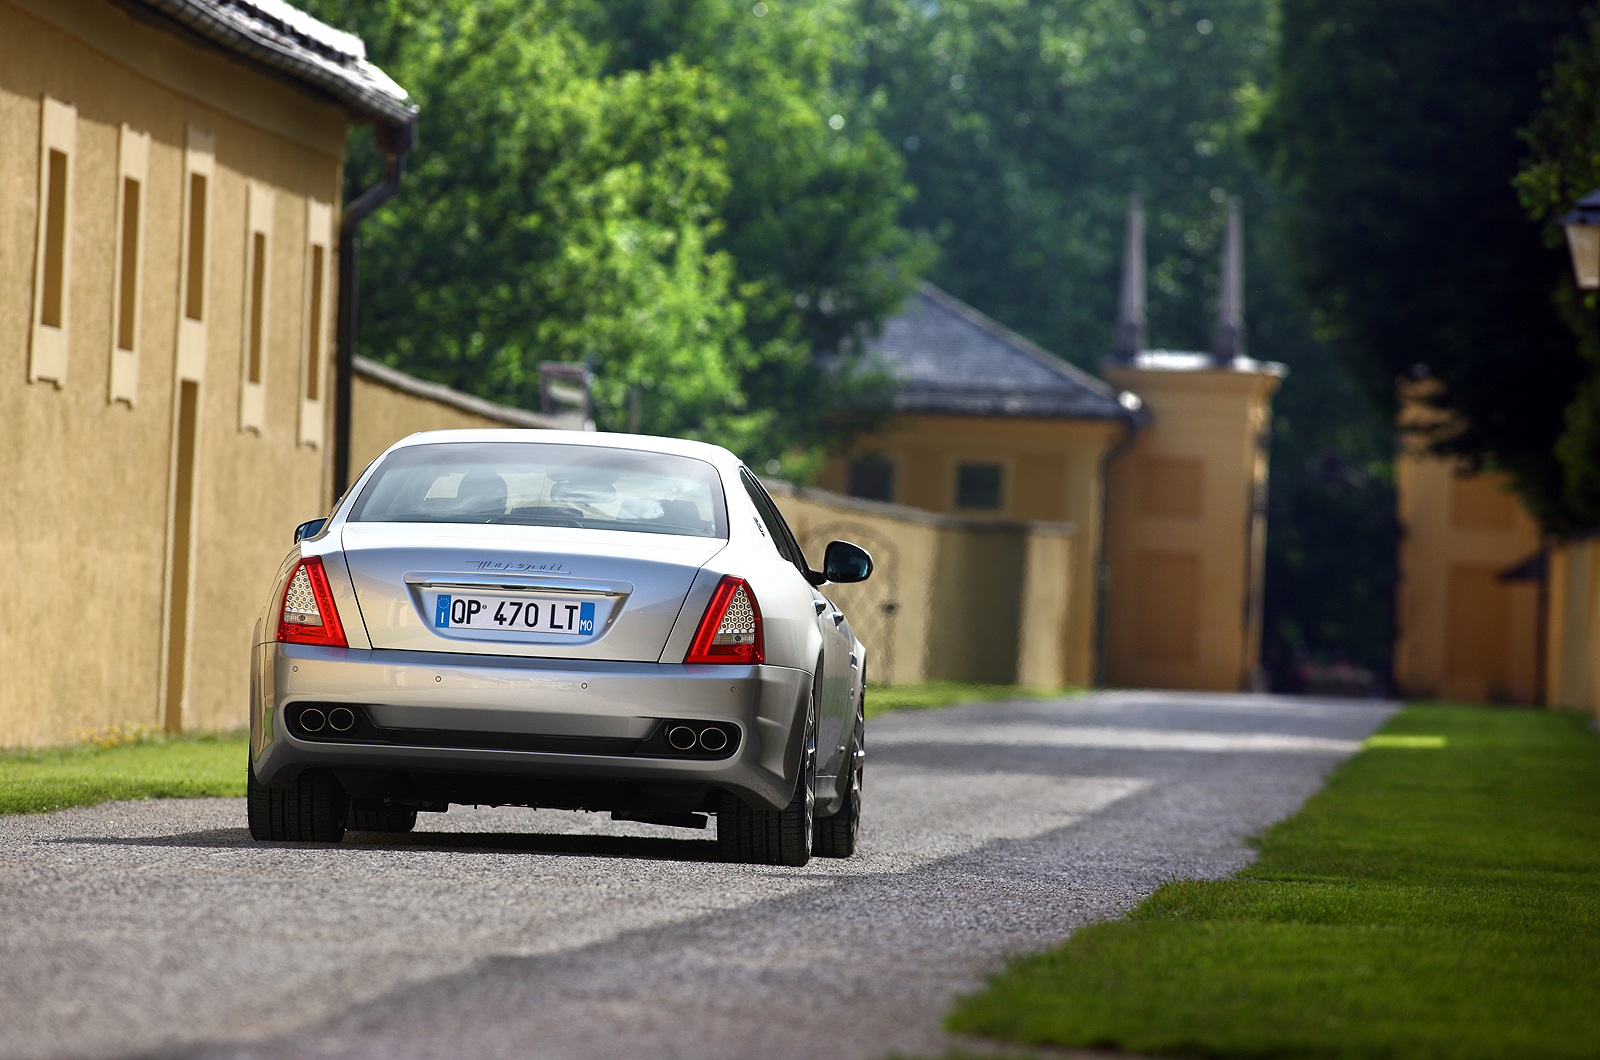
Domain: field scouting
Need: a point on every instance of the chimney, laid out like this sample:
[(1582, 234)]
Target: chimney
[(1227, 340), (1131, 338)]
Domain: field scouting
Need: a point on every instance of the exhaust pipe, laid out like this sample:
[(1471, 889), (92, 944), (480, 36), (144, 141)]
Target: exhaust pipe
[(681, 738), (341, 719), (312, 719), (713, 739)]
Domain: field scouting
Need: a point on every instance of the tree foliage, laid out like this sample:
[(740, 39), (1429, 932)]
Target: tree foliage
[(698, 196), (1392, 130), (1026, 126), (655, 190), (1563, 166)]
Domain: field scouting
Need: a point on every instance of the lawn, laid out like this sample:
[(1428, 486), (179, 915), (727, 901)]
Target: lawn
[(1440, 898), (146, 767), (881, 699)]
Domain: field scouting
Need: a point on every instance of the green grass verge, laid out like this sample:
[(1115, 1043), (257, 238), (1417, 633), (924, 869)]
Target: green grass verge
[(166, 767), (213, 764), (1431, 901), (881, 699)]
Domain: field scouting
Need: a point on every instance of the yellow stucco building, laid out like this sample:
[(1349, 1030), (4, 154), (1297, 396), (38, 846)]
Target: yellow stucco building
[(1469, 611), (1186, 519), (1160, 469), (170, 172), (993, 429)]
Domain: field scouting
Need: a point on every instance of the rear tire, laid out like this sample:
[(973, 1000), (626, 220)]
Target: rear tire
[(313, 810), (383, 819), (838, 835), (756, 836)]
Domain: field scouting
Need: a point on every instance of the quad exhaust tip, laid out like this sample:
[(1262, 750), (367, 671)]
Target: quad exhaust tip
[(684, 738), (336, 719)]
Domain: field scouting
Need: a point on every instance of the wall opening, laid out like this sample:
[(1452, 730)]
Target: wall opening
[(194, 301), (52, 263), (978, 487), (314, 337), (53, 280), (258, 279), (314, 326), (133, 168), (182, 553), (871, 477), (128, 267)]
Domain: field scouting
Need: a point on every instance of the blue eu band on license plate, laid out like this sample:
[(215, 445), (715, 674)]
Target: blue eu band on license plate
[(512, 615)]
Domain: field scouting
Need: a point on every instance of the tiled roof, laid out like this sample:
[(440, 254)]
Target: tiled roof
[(274, 34), (950, 358)]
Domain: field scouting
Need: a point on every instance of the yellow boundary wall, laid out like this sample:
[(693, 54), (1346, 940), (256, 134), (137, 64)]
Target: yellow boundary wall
[(1572, 647), (950, 598)]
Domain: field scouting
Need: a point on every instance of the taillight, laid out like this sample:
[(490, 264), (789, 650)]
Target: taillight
[(730, 632), (308, 615)]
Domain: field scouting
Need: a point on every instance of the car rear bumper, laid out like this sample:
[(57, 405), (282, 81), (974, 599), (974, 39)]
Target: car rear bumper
[(430, 716)]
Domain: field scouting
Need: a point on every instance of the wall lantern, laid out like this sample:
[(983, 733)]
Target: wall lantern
[(1583, 240)]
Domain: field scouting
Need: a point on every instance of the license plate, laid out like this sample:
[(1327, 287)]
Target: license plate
[(509, 614)]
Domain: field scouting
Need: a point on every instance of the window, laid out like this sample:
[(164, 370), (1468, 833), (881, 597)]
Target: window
[(545, 484), (52, 270), (133, 164), (871, 477), (978, 486), (772, 521), (315, 344), (257, 294), (199, 168)]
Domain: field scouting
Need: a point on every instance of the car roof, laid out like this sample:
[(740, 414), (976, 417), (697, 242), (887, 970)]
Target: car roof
[(649, 443)]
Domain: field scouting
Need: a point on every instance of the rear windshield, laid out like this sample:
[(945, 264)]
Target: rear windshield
[(545, 484)]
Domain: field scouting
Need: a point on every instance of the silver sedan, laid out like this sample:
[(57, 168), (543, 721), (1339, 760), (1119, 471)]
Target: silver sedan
[(566, 620)]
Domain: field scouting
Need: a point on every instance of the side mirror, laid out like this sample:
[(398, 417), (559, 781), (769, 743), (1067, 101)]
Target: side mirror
[(844, 562), (309, 528)]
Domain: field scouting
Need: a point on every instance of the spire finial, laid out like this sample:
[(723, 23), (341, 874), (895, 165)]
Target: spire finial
[(1228, 339), (1130, 340)]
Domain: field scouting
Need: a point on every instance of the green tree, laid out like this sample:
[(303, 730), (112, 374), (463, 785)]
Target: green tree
[(1563, 166), (1026, 125), (550, 213), (659, 190), (811, 218), (1392, 132)]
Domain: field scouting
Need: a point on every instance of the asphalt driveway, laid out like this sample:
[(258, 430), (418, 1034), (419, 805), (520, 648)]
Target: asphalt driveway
[(160, 929)]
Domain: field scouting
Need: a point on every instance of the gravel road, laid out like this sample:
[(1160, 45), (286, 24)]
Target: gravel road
[(160, 929)]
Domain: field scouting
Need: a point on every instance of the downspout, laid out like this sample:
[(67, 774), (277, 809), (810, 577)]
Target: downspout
[(395, 141), (1132, 420)]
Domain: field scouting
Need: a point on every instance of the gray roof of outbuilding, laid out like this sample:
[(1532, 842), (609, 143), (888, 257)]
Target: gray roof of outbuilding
[(949, 358), (276, 34)]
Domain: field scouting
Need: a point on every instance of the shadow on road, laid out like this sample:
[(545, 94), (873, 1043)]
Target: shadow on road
[(597, 846)]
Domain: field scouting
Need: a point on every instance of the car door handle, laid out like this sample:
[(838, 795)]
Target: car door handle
[(820, 605)]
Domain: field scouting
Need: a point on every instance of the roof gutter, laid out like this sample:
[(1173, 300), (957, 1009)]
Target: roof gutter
[(395, 144)]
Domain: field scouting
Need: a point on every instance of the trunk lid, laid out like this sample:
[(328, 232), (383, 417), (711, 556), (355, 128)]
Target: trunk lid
[(550, 592)]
